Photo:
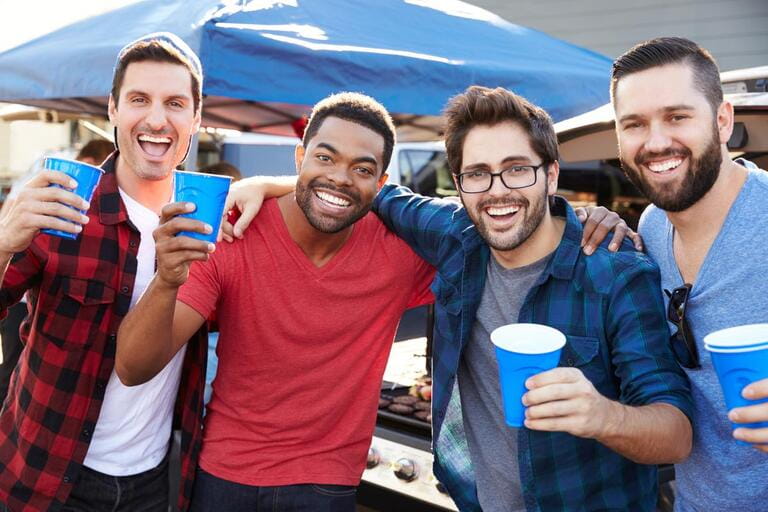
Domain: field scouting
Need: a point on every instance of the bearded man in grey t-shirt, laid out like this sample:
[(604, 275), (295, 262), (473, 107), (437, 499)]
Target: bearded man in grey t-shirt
[(704, 230)]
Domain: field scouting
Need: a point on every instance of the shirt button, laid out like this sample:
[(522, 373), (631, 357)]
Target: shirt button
[(67, 479), (124, 289), (113, 337), (132, 243), (570, 362), (86, 433)]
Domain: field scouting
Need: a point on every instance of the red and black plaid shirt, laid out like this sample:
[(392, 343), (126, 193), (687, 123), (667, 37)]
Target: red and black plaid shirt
[(79, 292)]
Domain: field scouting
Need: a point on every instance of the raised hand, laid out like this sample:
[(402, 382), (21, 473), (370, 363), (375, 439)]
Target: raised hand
[(40, 206), (753, 414), (176, 253), (564, 400)]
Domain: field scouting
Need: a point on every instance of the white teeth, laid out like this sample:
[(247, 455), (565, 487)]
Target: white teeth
[(506, 210), (328, 198), (665, 165), (156, 140)]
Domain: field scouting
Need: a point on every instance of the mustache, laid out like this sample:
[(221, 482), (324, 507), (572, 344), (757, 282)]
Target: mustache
[(520, 201), (327, 185), (155, 133), (644, 156)]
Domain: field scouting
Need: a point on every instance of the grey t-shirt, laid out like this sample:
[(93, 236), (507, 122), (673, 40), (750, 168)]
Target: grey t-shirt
[(731, 289), (493, 444)]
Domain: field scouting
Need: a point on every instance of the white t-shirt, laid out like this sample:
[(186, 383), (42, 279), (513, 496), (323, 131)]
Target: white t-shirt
[(134, 426)]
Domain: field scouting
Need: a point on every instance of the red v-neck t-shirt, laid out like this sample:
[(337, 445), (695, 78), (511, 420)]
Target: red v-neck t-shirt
[(302, 349)]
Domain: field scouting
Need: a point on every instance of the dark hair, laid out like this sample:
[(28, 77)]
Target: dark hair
[(157, 50), (222, 168), (97, 150), (672, 50), (355, 108), (483, 106)]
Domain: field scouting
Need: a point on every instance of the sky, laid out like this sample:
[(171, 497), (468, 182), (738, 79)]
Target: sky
[(49, 15)]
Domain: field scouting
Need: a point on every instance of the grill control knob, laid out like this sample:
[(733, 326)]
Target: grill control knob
[(405, 469), (373, 458)]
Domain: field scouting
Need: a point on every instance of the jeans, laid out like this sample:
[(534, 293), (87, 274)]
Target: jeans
[(213, 494), (97, 492)]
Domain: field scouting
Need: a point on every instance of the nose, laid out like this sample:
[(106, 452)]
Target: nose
[(658, 139), (339, 175), (498, 189), (156, 119)]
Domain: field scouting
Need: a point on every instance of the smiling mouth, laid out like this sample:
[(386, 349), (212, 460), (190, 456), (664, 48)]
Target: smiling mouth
[(665, 166), (153, 145), (332, 200), (502, 212)]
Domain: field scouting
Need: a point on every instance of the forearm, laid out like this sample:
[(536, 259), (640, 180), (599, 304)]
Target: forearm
[(649, 434), (145, 338)]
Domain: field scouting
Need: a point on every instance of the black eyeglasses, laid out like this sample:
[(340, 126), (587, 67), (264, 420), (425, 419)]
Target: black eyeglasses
[(517, 176), (683, 344)]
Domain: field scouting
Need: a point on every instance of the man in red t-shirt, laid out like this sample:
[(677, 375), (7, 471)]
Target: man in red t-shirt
[(308, 303)]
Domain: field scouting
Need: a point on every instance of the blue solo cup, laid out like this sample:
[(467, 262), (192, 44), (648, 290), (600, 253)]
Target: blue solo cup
[(87, 177), (523, 350), (209, 194), (740, 357)]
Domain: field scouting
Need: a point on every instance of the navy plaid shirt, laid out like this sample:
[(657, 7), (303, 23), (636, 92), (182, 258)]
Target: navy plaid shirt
[(610, 309)]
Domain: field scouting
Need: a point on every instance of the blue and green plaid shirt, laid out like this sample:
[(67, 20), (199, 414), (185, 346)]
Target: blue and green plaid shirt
[(610, 308)]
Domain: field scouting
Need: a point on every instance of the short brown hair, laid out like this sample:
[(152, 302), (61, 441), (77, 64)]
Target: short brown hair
[(97, 150), (355, 108), (671, 50), (159, 48), (481, 106), (222, 168)]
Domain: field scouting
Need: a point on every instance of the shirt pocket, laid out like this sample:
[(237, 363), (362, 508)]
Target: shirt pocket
[(584, 353), (79, 312)]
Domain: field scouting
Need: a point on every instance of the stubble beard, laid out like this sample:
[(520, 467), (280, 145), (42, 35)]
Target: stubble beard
[(320, 222)]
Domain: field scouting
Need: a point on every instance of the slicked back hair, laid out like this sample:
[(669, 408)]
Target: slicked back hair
[(161, 47), (481, 106), (671, 50), (355, 108)]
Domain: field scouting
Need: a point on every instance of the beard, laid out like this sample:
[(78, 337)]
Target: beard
[(698, 180), (533, 213), (325, 223)]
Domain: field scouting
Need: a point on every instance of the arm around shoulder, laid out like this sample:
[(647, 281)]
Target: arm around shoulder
[(422, 222)]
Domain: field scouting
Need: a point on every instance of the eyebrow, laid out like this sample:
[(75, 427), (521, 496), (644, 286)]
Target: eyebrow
[(145, 93), (524, 160), (670, 108), (360, 159)]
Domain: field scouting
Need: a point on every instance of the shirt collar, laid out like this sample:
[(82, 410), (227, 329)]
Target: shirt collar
[(111, 208), (568, 251)]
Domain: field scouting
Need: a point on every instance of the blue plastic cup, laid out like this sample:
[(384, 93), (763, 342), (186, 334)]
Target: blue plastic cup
[(523, 350), (87, 177), (209, 194), (740, 357)]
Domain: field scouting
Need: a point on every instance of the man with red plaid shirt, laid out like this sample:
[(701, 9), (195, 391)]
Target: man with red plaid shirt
[(72, 436)]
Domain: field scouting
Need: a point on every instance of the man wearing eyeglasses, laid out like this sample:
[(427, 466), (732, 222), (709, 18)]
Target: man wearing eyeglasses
[(705, 232), (617, 404)]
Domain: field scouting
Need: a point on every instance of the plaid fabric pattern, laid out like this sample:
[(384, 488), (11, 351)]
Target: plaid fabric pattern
[(79, 291), (612, 313)]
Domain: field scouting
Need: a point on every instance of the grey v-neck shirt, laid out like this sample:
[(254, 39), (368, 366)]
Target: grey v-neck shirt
[(731, 289)]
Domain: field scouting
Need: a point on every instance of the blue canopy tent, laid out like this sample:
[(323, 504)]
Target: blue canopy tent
[(266, 62)]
